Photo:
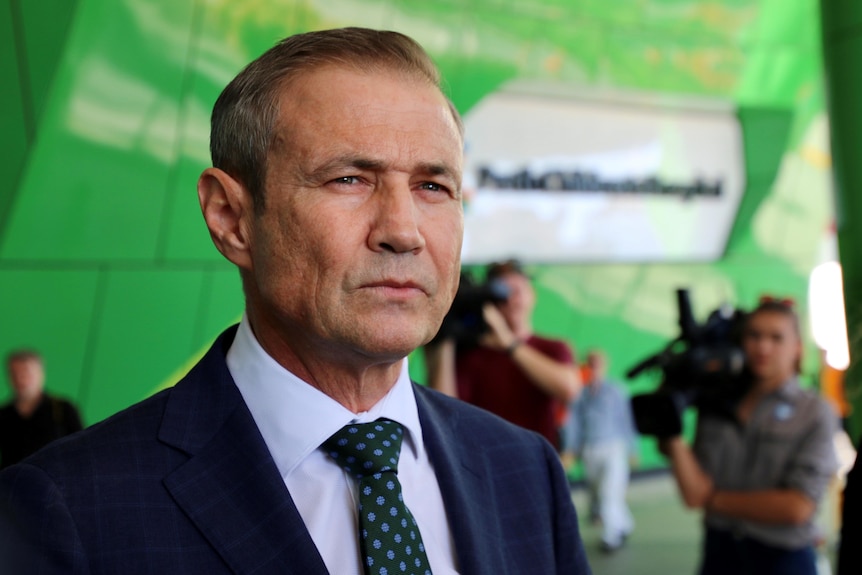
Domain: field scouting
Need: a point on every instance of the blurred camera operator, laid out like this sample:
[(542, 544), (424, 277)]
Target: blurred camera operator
[(760, 475), (512, 372)]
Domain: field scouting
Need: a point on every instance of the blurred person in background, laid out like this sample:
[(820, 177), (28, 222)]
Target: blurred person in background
[(600, 432), (760, 475), (33, 418), (512, 372)]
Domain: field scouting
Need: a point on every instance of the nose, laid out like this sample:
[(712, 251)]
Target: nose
[(395, 227)]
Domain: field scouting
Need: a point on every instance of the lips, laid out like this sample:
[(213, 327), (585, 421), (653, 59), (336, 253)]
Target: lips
[(396, 284)]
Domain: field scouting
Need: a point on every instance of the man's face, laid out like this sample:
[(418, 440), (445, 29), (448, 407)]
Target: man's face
[(27, 378), (357, 252), (772, 346), (521, 299)]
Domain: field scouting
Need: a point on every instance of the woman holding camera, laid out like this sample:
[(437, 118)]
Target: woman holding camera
[(760, 475)]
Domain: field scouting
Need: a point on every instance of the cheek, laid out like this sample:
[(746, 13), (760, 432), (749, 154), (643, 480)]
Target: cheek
[(792, 351), (278, 256), (443, 237), (294, 234)]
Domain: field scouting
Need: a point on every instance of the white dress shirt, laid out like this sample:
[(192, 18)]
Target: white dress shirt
[(295, 418)]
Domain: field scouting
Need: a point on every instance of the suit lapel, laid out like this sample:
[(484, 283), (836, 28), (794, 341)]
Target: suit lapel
[(233, 492), (466, 486), (230, 487)]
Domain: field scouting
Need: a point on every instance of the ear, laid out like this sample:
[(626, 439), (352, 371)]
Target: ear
[(227, 209)]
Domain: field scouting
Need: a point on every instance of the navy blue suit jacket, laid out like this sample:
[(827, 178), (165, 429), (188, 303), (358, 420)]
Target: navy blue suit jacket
[(183, 483)]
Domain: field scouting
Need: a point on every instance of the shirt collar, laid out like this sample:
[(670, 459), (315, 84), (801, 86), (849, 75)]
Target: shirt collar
[(789, 389), (295, 418)]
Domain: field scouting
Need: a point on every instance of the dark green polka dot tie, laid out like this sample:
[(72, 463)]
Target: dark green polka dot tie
[(389, 538)]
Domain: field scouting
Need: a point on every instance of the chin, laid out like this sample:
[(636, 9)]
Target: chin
[(392, 347), (405, 333), (386, 354), (763, 374)]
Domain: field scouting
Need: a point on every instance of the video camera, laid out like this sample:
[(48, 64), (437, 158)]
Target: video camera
[(464, 321), (703, 367)]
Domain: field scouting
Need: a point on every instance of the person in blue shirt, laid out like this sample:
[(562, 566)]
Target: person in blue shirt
[(600, 432)]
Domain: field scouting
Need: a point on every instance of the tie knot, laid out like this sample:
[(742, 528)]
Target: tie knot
[(364, 449)]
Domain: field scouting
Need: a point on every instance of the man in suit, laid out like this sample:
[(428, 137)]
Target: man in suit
[(336, 192)]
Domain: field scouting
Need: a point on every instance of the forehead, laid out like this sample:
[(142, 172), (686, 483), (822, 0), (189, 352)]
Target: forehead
[(25, 366), (771, 320), (26, 360), (357, 106)]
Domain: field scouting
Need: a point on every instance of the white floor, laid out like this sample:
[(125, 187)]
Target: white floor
[(666, 539)]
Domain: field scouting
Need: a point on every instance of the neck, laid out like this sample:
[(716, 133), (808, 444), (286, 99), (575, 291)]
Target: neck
[(766, 385), (27, 405), (357, 391), (761, 388), (354, 380)]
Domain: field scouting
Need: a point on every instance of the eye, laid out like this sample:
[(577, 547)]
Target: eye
[(346, 180), (438, 188)]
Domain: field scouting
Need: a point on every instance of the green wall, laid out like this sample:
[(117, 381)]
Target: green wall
[(105, 262), (842, 40)]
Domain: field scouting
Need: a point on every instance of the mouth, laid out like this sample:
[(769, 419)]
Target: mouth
[(396, 288)]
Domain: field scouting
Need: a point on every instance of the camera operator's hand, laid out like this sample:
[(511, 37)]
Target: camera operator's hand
[(499, 336), (664, 444), (560, 380), (694, 484)]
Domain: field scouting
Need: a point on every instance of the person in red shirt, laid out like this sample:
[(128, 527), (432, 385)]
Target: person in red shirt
[(512, 372)]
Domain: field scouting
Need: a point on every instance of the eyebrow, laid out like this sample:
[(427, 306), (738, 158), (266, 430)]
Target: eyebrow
[(359, 162), (438, 170)]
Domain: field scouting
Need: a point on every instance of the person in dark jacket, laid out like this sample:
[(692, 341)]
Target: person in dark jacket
[(33, 418)]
